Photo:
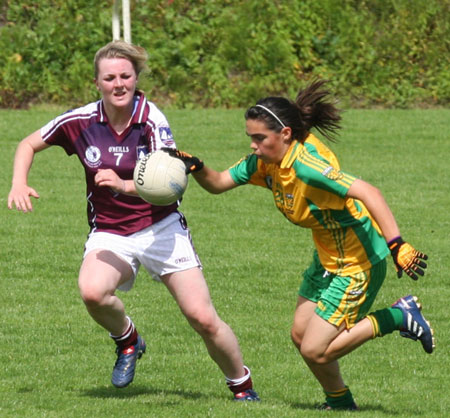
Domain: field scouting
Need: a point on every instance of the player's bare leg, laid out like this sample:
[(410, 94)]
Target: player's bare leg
[(328, 375), (191, 292), (326, 372), (100, 275), (324, 342)]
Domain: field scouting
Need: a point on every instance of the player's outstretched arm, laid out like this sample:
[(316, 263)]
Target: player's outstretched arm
[(211, 180), (20, 193), (406, 258)]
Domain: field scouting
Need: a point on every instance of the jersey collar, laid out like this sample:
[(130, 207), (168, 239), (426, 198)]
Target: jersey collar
[(140, 112), (291, 155), (293, 152), (141, 109)]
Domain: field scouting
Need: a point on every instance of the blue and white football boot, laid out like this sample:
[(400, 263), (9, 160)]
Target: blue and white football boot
[(415, 326)]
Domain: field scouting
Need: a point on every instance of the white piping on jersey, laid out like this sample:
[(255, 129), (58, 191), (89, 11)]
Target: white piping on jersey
[(85, 112), (102, 116), (152, 125), (141, 114), (149, 121), (91, 205)]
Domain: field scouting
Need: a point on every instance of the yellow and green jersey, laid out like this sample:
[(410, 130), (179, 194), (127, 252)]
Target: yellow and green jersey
[(310, 190)]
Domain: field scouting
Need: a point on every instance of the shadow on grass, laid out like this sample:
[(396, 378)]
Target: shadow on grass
[(364, 408), (136, 391)]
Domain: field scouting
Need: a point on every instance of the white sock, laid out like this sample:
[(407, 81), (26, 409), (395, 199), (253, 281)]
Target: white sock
[(240, 380)]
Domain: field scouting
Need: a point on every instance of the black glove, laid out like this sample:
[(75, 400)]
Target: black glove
[(407, 259), (192, 163)]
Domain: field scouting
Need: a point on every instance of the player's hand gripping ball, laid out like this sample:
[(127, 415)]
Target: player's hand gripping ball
[(160, 179)]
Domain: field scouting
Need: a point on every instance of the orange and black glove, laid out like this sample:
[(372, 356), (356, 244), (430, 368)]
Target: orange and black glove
[(192, 163), (407, 259)]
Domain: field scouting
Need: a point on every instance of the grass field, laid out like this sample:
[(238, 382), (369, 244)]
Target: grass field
[(56, 362)]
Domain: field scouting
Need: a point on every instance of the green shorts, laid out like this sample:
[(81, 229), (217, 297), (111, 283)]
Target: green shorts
[(341, 298)]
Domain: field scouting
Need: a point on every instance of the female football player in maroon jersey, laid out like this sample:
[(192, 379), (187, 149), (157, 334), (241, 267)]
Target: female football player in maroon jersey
[(108, 137), (352, 227)]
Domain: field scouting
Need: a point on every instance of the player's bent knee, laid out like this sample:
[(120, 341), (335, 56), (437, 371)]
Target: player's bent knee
[(93, 297), (296, 338), (205, 323), (312, 355)]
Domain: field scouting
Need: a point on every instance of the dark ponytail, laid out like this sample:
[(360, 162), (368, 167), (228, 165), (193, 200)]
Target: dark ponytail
[(317, 111), (312, 109)]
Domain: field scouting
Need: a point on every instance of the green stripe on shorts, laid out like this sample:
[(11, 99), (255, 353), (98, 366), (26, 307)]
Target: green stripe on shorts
[(341, 298)]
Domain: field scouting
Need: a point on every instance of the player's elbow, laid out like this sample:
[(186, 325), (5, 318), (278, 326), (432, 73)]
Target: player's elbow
[(215, 190)]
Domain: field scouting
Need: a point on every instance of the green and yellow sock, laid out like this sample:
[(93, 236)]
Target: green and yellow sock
[(341, 399), (385, 321)]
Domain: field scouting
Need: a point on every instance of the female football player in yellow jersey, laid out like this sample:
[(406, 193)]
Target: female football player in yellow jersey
[(352, 226)]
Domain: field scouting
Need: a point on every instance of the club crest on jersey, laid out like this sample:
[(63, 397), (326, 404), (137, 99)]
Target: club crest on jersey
[(289, 200), (141, 151), (92, 156), (166, 135), (332, 174)]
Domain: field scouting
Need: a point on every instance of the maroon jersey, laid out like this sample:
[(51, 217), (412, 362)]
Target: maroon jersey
[(86, 132)]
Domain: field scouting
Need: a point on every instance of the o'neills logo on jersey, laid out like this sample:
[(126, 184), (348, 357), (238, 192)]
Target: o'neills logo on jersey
[(118, 149), (92, 156), (331, 173)]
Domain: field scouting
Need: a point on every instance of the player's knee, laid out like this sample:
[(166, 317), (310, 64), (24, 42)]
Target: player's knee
[(206, 323), (313, 355), (296, 337), (92, 296)]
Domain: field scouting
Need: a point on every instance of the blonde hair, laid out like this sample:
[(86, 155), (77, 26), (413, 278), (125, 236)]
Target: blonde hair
[(120, 49)]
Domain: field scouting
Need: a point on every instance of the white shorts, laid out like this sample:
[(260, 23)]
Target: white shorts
[(162, 248)]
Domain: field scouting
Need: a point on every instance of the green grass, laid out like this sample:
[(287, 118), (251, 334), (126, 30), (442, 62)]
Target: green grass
[(56, 362)]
